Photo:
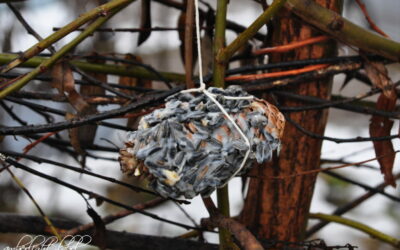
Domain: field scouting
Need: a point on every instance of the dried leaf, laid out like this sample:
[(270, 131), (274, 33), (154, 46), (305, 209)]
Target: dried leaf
[(127, 80), (88, 90), (99, 235), (133, 82), (381, 126), (74, 139), (377, 73), (87, 133), (145, 21), (64, 82)]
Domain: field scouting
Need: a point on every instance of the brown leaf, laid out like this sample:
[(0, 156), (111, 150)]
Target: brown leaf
[(381, 126), (74, 139), (377, 73), (88, 90), (127, 80), (87, 133), (133, 82), (64, 82), (145, 21)]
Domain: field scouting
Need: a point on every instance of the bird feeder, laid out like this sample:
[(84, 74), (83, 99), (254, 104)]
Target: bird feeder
[(190, 147)]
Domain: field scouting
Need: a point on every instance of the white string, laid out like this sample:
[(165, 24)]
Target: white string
[(212, 96)]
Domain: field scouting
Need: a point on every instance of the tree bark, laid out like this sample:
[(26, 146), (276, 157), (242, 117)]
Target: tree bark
[(277, 209)]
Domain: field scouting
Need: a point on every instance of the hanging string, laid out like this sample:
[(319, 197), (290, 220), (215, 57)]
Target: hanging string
[(202, 89)]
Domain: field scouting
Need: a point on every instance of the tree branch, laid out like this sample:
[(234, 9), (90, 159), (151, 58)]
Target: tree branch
[(347, 207), (76, 122), (11, 223), (139, 72), (82, 19), (359, 226), (91, 194), (245, 238), (343, 30)]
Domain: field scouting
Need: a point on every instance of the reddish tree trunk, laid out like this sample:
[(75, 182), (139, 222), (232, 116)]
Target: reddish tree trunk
[(277, 208)]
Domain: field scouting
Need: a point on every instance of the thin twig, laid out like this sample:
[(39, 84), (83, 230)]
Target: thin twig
[(76, 122), (86, 172), (12, 223), (105, 9), (44, 216), (111, 218), (26, 25), (350, 205), (12, 114), (369, 19), (291, 72), (359, 226), (92, 194), (366, 187), (291, 46), (340, 104), (338, 140)]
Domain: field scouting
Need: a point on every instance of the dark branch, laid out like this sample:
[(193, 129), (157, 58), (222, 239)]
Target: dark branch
[(11, 223), (347, 207), (338, 140), (92, 194), (340, 104), (366, 187), (84, 171), (144, 102)]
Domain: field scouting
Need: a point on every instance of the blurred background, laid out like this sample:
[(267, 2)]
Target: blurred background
[(161, 51)]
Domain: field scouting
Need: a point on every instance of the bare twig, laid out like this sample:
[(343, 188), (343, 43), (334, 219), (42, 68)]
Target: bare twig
[(144, 102), (343, 30), (26, 25), (11, 113), (369, 19), (104, 9), (111, 218), (350, 205), (92, 194), (11, 223), (338, 140), (366, 187), (359, 226)]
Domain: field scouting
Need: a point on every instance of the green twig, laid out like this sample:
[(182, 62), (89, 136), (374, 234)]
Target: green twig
[(45, 65), (134, 71), (243, 37), (342, 29), (219, 42), (102, 10), (44, 216), (225, 239), (359, 226)]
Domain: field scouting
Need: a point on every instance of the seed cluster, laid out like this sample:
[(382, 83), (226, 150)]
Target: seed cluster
[(190, 148)]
